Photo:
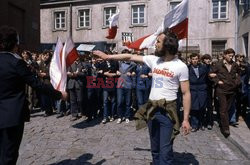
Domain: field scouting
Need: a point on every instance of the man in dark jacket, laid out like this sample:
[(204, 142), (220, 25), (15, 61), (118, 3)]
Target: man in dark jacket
[(76, 81), (198, 77), (227, 81), (14, 75)]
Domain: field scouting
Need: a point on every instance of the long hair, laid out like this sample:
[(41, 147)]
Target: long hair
[(170, 41)]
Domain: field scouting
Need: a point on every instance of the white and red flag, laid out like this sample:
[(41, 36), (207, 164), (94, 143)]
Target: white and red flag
[(69, 52), (113, 23), (176, 20), (57, 69), (63, 57)]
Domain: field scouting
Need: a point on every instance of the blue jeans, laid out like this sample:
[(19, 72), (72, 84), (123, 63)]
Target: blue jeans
[(142, 96), (123, 100), (106, 101), (160, 131), (232, 113)]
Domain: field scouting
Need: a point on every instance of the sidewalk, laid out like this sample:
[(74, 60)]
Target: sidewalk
[(240, 137)]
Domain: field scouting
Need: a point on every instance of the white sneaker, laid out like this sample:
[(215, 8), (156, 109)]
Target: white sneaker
[(111, 119), (104, 121), (127, 121), (119, 121)]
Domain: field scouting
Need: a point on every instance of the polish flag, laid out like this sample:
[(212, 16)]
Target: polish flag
[(57, 69), (113, 22), (69, 52), (176, 20)]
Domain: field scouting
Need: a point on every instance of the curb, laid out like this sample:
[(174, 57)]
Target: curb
[(237, 140)]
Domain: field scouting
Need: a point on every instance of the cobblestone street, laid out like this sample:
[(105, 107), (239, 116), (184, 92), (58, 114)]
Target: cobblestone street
[(60, 141)]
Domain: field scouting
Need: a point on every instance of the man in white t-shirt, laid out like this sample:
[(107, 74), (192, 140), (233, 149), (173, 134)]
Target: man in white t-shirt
[(168, 74)]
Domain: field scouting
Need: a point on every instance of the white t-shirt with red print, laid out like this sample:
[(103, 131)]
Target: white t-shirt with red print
[(166, 78)]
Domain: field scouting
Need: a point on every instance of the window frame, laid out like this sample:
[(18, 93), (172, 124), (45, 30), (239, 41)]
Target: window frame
[(219, 10), (173, 2), (225, 41), (55, 28), (145, 15), (105, 24), (84, 21)]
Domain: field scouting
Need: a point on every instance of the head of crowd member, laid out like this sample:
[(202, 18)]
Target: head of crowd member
[(229, 55), (166, 43), (8, 39), (194, 59), (239, 58), (220, 56), (46, 56), (206, 59), (125, 51), (26, 55), (34, 56)]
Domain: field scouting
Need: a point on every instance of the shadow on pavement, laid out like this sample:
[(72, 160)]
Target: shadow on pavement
[(184, 159), (179, 158), (82, 160), (247, 118), (86, 124)]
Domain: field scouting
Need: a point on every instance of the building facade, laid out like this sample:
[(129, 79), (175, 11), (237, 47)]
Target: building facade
[(212, 25), (24, 16), (243, 30)]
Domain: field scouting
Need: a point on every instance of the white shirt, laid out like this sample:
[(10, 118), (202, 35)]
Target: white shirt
[(166, 78)]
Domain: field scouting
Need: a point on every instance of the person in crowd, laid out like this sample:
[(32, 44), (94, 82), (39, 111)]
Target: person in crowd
[(198, 77), (124, 89), (142, 83), (76, 75), (206, 59), (168, 74), (227, 81), (47, 102), (94, 89), (110, 69), (14, 75), (241, 95)]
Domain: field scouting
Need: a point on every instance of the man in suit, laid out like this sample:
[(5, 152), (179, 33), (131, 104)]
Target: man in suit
[(14, 75), (76, 81)]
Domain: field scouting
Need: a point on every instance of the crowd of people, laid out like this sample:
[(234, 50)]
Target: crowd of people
[(114, 87), (117, 89)]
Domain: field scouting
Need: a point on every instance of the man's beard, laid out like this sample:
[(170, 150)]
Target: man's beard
[(160, 53)]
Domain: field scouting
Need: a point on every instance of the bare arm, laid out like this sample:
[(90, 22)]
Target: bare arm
[(118, 57), (185, 89)]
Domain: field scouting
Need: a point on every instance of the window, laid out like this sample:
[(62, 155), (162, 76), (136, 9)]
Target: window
[(246, 6), (59, 20), (83, 18), (218, 47), (108, 12), (220, 9), (245, 39), (138, 14), (173, 5)]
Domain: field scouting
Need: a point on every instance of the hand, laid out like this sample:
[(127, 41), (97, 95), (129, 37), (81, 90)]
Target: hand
[(128, 74), (100, 54), (42, 74), (143, 76), (185, 127), (220, 82), (212, 75), (118, 73), (100, 71), (64, 96)]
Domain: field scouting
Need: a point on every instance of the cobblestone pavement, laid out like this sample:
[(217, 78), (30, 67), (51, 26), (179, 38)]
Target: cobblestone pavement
[(60, 141)]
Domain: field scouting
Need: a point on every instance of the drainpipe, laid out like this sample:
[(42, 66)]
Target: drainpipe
[(236, 26), (70, 19)]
